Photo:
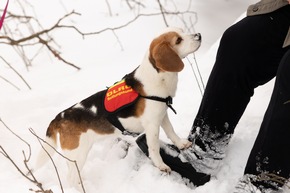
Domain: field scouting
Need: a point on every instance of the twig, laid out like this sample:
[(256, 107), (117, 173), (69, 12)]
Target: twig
[(29, 147), (199, 74), (37, 38), (5, 154), (162, 13), (53, 163), (9, 82), (120, 43), (200, 85), (133, 20), (37, 34), (109, 8), (56, 53), (26, 160), (10, 66), (73, 161)]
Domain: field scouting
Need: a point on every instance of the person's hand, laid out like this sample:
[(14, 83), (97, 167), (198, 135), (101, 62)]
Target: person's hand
[(288, 1)]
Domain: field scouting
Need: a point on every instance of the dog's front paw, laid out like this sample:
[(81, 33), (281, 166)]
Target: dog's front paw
[(183, 144), (164, 168)]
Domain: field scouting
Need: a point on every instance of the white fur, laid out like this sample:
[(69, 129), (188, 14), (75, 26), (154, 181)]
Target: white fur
[(94, 109), (78, 106), (155, 115), (161, 84), (132, 124)]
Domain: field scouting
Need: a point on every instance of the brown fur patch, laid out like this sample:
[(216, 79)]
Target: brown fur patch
[(162, 54), (70, 132), (138, 109), (74, 123)]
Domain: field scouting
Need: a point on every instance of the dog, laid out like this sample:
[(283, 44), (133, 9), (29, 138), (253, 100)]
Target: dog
[(153, 84)]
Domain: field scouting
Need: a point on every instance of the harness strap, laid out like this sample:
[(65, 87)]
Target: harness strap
[(167, 100), (113, 119)]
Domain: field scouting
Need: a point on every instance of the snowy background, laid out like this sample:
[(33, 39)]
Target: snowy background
[(56, 86)]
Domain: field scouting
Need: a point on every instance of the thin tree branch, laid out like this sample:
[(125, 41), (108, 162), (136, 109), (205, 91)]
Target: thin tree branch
[(133, 20), (52, 161), (36, 37), (10, 66), (25, 161), (162, 13), (109, 8), (70, 160), (29, 147), (9, 82)]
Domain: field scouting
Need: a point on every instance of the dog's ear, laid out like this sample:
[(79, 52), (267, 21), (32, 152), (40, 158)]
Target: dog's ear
[(166, 58)]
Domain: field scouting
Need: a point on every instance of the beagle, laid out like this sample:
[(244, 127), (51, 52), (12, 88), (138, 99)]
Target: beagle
[(153, 84)]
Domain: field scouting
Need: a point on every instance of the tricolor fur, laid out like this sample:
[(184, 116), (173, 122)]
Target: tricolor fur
[(82, 124)]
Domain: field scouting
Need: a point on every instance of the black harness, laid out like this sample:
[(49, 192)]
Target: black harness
[(113, 119), (167, 100)]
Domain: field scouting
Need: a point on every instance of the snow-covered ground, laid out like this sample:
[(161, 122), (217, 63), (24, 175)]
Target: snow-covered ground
[(56, 86)]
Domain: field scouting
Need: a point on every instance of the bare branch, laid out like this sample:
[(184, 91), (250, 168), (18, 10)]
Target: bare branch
[(25, 161), (37, 39), (10, 66), (29, 147), (56, 53), (120, 43), (73, 161), (133, 20), (109, 8), (53, 163), (3, 152), (9, 82), (162, 12)]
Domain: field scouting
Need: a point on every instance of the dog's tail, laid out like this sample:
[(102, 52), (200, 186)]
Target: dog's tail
[(50, 146)]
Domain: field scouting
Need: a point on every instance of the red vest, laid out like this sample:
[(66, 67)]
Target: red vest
[(119, 95)]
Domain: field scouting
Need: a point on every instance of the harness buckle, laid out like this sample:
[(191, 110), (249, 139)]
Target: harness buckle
[(169, 101)]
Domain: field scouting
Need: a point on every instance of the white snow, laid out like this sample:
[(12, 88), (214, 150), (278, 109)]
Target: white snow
[(56, 86)]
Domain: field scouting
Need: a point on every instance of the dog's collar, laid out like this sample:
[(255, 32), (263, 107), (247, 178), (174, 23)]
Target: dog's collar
[(167, 100)]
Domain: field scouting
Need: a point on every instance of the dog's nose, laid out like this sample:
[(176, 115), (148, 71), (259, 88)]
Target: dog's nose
[(197, 36)]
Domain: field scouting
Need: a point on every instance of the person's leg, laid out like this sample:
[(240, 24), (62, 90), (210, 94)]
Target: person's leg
[(248, 56), (269, 159)]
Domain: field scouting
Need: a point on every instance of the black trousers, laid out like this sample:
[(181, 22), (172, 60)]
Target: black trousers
[(270, 151), (250, 54)]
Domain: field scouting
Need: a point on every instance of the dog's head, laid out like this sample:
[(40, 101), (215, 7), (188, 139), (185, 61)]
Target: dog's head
[(167, 50)]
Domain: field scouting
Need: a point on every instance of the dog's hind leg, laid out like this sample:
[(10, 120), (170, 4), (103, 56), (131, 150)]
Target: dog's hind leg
[(78, 155), (75, 164), (48, 147)]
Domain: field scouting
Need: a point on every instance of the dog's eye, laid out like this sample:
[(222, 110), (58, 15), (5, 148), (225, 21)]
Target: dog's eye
[(178, 40)]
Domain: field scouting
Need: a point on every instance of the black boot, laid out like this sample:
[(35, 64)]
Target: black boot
[(172, 157), (257, 184)]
